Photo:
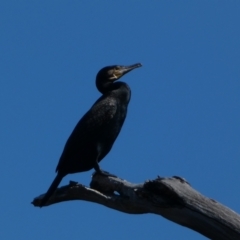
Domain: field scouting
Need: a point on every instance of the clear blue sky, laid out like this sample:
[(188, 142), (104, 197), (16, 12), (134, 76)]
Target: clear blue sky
[(183, 117)]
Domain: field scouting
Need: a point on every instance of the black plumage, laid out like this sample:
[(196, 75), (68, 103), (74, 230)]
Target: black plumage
[(95, 133)]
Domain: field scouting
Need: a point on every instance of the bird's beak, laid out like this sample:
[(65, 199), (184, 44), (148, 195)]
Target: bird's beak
[(125, 69)]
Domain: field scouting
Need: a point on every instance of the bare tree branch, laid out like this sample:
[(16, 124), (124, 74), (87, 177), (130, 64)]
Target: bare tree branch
[(172, 198)]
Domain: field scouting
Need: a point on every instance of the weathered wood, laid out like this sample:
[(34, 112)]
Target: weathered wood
[(172, 198)]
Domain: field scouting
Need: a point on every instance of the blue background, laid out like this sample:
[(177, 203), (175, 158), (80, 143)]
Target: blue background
[(183, 117)]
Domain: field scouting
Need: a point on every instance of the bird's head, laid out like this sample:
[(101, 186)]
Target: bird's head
[(107, 75)]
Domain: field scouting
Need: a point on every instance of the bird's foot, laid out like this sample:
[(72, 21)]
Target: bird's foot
[(105, 173)]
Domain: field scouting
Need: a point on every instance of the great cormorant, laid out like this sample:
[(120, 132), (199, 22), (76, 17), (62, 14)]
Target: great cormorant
[(95, 133)]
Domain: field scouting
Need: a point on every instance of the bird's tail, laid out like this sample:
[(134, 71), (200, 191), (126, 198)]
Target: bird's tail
[(52, 188)]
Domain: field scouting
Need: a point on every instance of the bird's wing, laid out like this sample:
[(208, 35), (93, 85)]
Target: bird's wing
[(96, 119), (89, 128)]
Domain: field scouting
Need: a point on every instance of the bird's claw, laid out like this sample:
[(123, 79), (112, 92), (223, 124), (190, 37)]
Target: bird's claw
[(105, 173)]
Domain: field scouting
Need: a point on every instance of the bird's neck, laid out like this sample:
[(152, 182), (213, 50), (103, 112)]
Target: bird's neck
[(104, 87), (122, 91), (118, 90)]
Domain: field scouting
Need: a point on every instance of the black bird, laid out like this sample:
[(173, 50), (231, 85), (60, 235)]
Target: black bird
[(94, 135)]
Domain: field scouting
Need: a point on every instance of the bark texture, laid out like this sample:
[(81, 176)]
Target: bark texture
[(172, 198)]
